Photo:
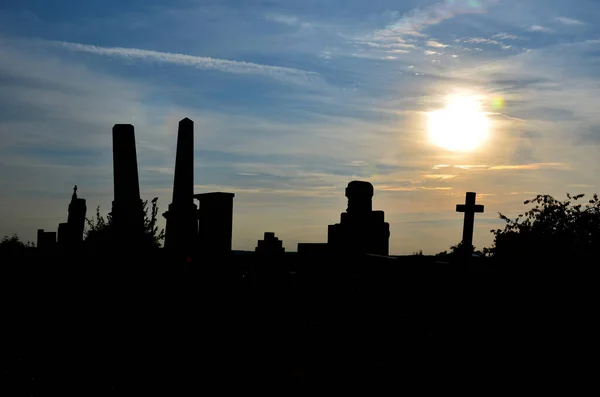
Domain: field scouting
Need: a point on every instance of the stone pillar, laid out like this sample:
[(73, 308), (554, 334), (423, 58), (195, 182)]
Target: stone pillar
[(182, 224), (215, 223), (127, 212)]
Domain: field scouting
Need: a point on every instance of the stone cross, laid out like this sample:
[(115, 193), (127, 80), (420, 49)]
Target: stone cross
[(469, 208)]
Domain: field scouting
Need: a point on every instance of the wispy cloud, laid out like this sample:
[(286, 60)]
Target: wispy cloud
[(569, 21), (289, 20), (206, 63), (507, 36), (480, 40), (539, 28), (396, 44), (483, 40), (414, 22)]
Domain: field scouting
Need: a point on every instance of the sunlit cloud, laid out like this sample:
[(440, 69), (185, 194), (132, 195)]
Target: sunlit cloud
[(436, 44), (439, 176), (534, 166), (471, 166)]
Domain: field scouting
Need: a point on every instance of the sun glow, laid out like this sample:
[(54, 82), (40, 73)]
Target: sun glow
[(461, 126)]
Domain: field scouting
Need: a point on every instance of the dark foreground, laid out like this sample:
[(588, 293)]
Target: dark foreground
[(180, 330)]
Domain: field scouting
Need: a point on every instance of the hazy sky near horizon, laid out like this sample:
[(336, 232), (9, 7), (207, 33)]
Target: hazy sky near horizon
[(292, 100)]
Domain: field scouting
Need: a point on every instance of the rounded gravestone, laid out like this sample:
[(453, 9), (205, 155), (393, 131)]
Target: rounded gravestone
[(360, 195)]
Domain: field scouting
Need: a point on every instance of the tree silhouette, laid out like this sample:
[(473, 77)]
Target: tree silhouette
[(457, 251), (98, 233), (551, 229), (11, 246)]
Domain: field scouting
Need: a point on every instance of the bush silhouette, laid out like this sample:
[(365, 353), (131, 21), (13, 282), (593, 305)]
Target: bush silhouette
[(13, 246), (550, 230), (99, 236)]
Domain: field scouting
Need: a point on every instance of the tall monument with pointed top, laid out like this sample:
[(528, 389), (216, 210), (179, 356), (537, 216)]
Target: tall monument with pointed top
[(182, 224), (127, 211)]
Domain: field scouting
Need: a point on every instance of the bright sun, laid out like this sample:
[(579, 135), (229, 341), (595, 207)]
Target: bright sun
[(461, 126)]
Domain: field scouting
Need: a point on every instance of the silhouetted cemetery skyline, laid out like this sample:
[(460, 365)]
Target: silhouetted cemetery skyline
[(206, 228), (124, 316)]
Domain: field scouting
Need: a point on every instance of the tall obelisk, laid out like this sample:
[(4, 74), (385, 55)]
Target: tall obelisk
[(182, 223), (127, 212)]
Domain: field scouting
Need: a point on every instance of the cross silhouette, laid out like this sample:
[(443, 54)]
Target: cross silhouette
[(469, 208)]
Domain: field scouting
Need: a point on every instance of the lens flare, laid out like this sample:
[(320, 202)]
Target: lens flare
[(498, 103)]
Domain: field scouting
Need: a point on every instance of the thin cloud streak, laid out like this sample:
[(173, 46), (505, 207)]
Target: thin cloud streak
[(507, 36), (472, 167), (569, 21), (539, 28), (206, 63), (533, 166)]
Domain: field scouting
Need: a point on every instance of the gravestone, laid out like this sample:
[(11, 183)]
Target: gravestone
[(469, 208), (46, 241), (361, 230), (70, 233), (215, 223), (270, 268), (182, 224), (270, 245)]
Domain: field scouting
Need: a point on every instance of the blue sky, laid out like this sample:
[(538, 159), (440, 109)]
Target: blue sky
[(292, 100)]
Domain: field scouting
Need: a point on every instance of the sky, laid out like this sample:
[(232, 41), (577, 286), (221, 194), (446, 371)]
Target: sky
[(292, 100)]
